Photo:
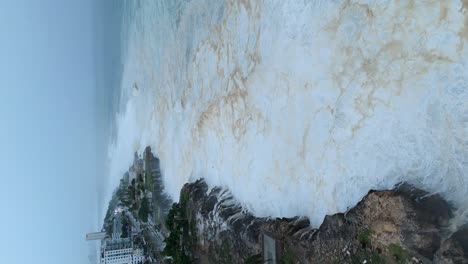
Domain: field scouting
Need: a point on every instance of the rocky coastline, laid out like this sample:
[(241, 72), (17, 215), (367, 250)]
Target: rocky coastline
[(402, 225), (207, 225)]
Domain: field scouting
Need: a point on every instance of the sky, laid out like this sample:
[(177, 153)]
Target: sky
[(48, 131)]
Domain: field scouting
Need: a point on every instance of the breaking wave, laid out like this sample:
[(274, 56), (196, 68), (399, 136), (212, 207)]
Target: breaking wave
[(298, 107)]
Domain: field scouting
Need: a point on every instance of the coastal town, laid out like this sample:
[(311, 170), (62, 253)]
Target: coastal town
[(134, 226), (208, 225)]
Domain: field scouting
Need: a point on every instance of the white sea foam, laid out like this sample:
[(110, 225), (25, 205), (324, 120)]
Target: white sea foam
[(298, 107)]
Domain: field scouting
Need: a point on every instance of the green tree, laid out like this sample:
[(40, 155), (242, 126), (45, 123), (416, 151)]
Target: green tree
[(125, 228), (176, 248), (144, 210)]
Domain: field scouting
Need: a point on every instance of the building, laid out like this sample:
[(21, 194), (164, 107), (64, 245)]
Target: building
[(138, 256), (135, 224), (269, 250), (96, 236), (120, 251), (117, 249), (273, 248)]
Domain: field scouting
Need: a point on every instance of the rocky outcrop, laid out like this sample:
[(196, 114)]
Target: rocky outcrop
[(403, 225), (455, 249)]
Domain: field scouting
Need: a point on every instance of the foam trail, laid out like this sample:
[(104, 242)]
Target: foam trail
[(298, 107)]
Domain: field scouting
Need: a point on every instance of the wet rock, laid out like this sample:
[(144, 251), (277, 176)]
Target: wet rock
[(403, 225), (454, 250), (403, 216)]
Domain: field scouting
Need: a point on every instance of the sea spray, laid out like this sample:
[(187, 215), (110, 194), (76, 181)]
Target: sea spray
[(298, 107)]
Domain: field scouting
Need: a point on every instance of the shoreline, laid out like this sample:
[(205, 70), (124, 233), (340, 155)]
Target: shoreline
[(208, 225), (401, 225)]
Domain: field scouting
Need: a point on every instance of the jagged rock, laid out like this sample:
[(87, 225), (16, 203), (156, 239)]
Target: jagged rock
[(454, 250), (403, 225), (404, 216)]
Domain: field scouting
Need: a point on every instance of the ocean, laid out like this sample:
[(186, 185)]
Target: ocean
[(297, 107)]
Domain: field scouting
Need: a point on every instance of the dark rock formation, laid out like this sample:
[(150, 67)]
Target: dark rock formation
[(403, 225), (455, 249)]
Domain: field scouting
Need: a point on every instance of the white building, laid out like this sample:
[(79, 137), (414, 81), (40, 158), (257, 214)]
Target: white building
[(96, 236), (138, 256), (120, 251)]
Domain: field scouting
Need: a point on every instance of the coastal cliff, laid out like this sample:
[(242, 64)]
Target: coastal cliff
[(402, 225)]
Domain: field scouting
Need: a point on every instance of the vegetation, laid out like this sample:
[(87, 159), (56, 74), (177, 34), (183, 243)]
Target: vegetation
[(254, 259), (394, 254), (224, 252), (119, 197), (183, 234), (140, 178), (364, 238), (128, 194), (398, 253), (125, 228), (288, 256), (174, 246), (369, 256), (367, 252), (149, 184), (143, 212)]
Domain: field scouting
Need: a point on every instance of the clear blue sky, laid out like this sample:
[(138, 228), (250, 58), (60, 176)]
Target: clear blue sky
[(48, 130)]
